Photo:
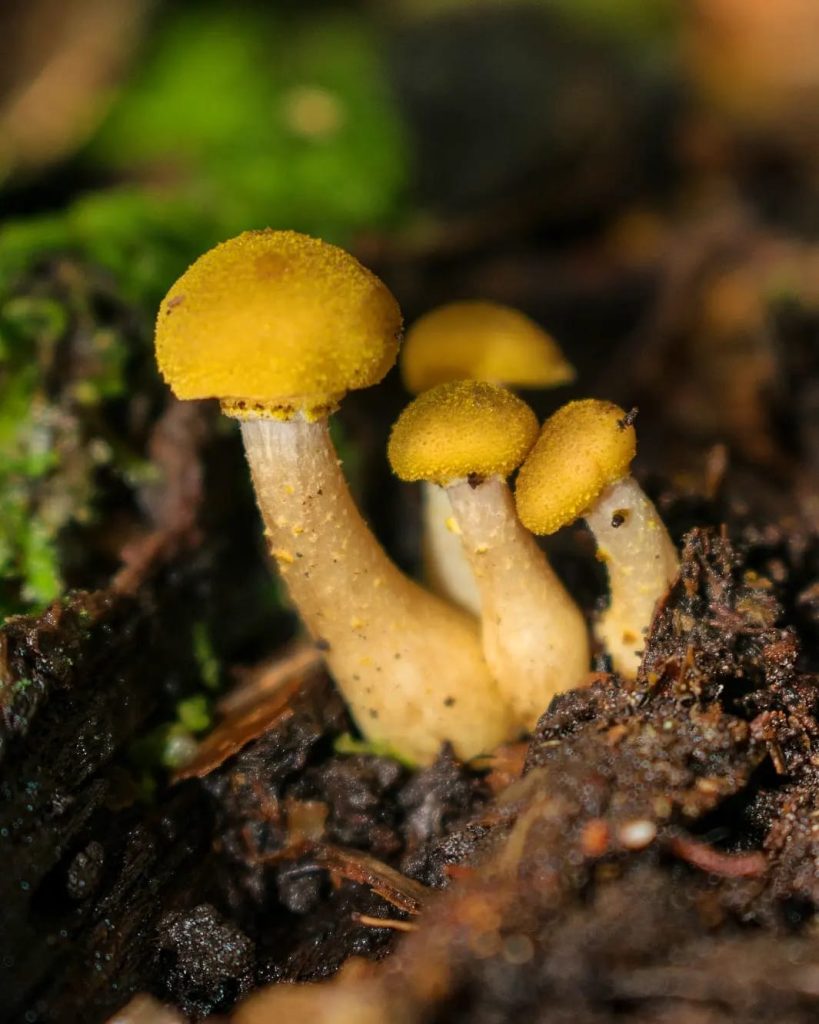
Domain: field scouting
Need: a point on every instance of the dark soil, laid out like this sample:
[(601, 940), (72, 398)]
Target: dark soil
[(649, 856), (656, 860), (308, 840)]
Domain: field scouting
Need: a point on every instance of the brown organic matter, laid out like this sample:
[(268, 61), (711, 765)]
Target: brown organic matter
[(653, 824)]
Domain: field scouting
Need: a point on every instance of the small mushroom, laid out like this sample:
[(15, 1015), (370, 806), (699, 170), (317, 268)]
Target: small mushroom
[(579, 466), (471, 340), (279, 327), (468, 437), (477, 340)]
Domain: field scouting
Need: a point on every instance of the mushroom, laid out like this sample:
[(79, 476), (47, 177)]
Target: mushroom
[(477, 340), (579, 466), (471, 340), (279, 327), (468, 437)]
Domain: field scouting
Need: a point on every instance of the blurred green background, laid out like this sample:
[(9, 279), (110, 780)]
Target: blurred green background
[(538, 152), (136, 134)]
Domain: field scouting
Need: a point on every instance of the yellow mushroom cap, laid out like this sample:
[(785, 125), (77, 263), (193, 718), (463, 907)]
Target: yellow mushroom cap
[(459, 429), (275, 321), (582, 449), (481, 341)]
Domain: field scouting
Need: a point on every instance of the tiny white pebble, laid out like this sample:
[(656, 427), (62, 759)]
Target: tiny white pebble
[(635, 835)]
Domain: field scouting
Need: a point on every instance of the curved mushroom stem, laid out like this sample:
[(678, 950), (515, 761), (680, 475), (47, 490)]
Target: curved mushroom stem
[(409, 665), (446, 568), (642, 563), (535, 638)]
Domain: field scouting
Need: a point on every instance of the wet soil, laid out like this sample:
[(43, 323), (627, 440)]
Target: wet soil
[(656, 862), (649, 855)]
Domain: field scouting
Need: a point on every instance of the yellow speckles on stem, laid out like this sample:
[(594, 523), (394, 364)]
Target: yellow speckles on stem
[(451, 524), (283, 556), (461, 429), (297, 530)]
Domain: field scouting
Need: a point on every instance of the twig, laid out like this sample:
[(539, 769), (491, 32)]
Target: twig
[(727, 865), (385, 922), (298, 660)]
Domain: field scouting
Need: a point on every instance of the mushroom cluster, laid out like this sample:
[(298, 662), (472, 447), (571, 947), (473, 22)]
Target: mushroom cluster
[(279, 327), (469, 437), (471, 340)]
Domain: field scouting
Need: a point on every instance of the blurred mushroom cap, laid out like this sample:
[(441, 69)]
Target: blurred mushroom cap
[(476, 340)]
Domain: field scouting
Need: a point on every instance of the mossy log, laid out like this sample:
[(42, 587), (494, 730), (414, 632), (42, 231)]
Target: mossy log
[(93, 845)]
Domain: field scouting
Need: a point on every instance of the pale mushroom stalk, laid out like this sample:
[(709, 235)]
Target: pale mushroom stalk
[(471, 340), (535, 638), (279, 327), (409, 664), (469, 436), (579, 468), (641, 562), (446, 568)]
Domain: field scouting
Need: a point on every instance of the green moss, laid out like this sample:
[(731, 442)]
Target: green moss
[(224, 100), (165, 748), (58, 368), (349, 744), (206, 658), (34, 317), (39, 564), (220, 113), (215, 106), (193, 713), (170, 745)]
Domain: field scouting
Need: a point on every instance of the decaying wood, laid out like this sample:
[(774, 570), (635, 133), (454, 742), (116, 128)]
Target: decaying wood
[(88, 867)]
